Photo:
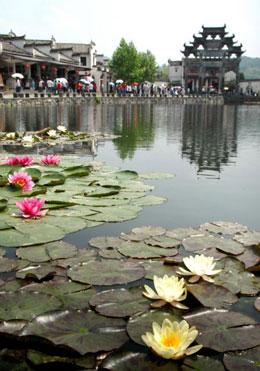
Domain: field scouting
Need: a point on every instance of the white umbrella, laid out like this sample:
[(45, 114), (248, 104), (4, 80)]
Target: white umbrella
[(84, 81), (111, 83), (119, 81), (62, 80), (89, 78), (17, 76)]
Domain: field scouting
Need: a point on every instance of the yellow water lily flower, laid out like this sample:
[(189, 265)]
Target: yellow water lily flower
[(199, 266), (11, 135), (52, 133), (27, 140), (61, 128), (167, 290), (172, 339)]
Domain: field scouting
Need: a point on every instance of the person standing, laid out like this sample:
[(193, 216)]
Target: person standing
[(18, 85)]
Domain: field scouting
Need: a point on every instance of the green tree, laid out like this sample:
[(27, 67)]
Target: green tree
[(147, 66), (125, 61)]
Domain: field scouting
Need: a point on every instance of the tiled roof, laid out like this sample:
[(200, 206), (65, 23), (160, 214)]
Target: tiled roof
[(37, 42), (10, 48), (77, 48)]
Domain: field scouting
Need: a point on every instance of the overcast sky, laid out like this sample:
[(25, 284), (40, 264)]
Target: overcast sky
[(161, 26)]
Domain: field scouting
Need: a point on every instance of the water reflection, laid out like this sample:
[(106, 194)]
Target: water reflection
[(207, 133), (209, 137)]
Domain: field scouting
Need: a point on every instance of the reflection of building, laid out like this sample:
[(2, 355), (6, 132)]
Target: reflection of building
[(209, 136), (209, 60), (37, 59)]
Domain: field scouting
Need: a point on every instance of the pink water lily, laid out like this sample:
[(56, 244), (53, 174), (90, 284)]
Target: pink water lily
[(19, 160), (31, 208), (50, 160), (22, 180)]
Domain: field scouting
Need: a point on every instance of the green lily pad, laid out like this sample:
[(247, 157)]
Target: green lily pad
[(7, 265), (26, 305), (83, 256), (38, 272), (248, 238), (163, 241), (212, 296), (52, 179), (149, 231), (77, 171), (235, 278), (199, 243), (140, 250), (157, 268), (33, 172), (105, 242), (201, 363), (154, 175), (115, 214), (181, 233), (114, 272), (60, 250), (125, 175), (39, 358), (3, 203), (65, 223), (129, 361), (229, 246), (85, 332), (77, 300), (110, 253), (223, 331), (226, 228), (250, 257), (149, 200), (35, 254), (120, 302), (249, 360), (138, 325)]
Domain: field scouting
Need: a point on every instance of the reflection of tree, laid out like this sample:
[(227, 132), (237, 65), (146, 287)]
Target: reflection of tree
[(209, 136), (134, 124)]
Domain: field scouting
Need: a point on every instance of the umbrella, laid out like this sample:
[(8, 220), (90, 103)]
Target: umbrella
[(119, 81), (89, 78), (62, 80), (84, 81), (111, 83), (17, 76)]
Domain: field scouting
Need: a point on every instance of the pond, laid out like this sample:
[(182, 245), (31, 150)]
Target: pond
[(70, 298), (214, 152)]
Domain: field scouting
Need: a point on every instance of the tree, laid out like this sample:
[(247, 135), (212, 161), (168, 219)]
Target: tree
[(125, 61), (130, 65), (147, 66)]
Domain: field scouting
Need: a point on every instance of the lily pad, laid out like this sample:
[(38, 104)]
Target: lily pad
[(222, 331), (226, 228), (115, 214), (129, 361), (211, 295), (125, 174), (7, 265), (35, 254), (120, 302), (250, 257), (149, 230), (248, 238), (60, 250), (163, 241), (249, 360), (114, 272), (3, 203), (199, 242), (140, 250), (110, 253), (181, 233), (154, 175), (235, 278), (149, 200), (38, 272), (157, 268), (85, 332), (39, 358), (26, 305), (201, 363), (105, 242), (51, 179), (138, 325)]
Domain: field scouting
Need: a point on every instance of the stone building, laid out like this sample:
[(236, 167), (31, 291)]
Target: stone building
[(37, 59), (210, 61)]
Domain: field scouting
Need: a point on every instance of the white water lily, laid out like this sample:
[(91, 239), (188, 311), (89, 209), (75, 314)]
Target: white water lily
[(11, 135), (167, 290), (61, 128), (199, 266), (52, 133), (27, 140), (172, 339)]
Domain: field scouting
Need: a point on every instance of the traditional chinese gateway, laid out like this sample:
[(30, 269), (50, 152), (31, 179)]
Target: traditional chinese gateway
[(211, 61)]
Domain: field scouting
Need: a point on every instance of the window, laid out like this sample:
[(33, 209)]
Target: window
[(83, 61)]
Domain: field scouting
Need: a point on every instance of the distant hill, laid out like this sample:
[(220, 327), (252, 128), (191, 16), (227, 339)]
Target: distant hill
[(250, 67)]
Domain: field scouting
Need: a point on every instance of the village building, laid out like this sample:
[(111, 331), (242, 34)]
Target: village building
[(210, 62), (45, 59)]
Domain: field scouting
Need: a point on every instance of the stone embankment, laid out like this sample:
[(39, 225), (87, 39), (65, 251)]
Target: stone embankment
[(24, 99)]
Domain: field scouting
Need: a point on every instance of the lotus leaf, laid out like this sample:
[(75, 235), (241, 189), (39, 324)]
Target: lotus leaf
[(115, 214), (140, 250), (248, 238), (114, 272), (163, 241), (33, 172), (249, 360), (129, 361), (60, 250), (110, 253), (26, 305), (157, 268), (3, 203), (85, 332), (250, 257), (149, 230), (200, 243), (201, 363), (181, 233), (83, 256), (126, 174), (38, 358), (51, 179), (77, 171), (211, 295), (149, 200), (223, 330), (35, 254), (229, 246), (138, 325), (7, 265), (120, 302)]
